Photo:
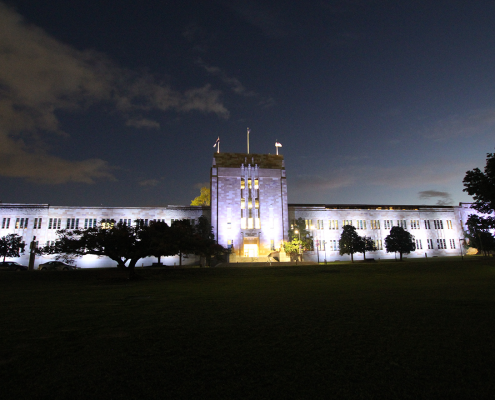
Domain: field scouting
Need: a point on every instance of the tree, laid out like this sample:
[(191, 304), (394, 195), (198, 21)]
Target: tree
[(368, 245), (11, 246), (123, 243), (303, 234), (481, 185), (399, 241), (182, 238), (478, 234), (203, 199), (204, 243), (159, 236), (350, 242), (293, 247)]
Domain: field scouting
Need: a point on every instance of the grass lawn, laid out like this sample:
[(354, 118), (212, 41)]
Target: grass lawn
[(411, 330)]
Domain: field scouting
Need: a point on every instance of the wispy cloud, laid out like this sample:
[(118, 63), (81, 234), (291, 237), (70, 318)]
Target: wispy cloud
[(395, 177), (462, 125), (142, 123), (263, 15), (149, 182), (40, 76), (444, 198), (235, 84)]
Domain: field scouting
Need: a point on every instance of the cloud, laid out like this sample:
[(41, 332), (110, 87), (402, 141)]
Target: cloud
[(149, 182), (235, 85), (40, 76), (445, 198), (263, 15), (142, 123), (464, 125), (393, 177)]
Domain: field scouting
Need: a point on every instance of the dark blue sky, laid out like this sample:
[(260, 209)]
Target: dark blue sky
[(120, 103)]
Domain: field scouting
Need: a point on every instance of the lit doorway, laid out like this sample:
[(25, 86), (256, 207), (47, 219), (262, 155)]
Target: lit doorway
[(250, 250)]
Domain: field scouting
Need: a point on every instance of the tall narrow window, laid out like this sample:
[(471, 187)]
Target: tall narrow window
[(243, 183)]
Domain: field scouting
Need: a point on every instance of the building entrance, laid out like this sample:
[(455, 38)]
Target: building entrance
[(250, 250)]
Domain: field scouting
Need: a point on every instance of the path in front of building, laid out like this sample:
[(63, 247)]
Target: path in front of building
[(265, 264)]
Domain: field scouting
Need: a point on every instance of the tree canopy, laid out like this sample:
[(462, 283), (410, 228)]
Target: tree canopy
[(481, 186), (350, 242), (299, 231), (400, 241), (11, 246), (127, 244), (203, 199)]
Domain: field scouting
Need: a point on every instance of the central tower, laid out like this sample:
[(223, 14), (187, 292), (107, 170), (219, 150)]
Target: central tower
[(249, 202)]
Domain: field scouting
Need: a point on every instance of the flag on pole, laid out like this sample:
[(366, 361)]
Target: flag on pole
[(277, 144), (218, 140)]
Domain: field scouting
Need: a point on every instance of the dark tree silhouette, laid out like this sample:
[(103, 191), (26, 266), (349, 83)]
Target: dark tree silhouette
[(350, 242), (399, 241)]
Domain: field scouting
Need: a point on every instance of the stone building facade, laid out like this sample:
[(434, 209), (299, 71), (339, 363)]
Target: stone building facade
[(250, 213)]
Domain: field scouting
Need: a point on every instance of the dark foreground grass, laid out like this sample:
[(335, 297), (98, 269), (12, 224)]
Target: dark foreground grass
[(411, 330)]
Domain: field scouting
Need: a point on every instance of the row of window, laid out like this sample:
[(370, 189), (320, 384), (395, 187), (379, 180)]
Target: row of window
[(375, 224), (71, 223)]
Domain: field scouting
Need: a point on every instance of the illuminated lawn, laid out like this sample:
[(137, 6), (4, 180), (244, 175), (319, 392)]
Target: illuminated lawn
[(411, 330)]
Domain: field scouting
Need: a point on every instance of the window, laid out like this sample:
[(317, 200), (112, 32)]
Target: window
[(243, 203), (250, 186), (319, 224), (415, 224), (333, 244), (308, 223), (272, 245), (256, 203), (427, 224), (387, 224), (378, 244), (54, 223), (441, 244), (419, 245), (50, 242), (5, 223), (333, 224), (449, 224), (229, 244), (347, 222), (360, 224), (72, 223), (320, 245), (438, 223), (402, 223), (430, 243), (452, 243), (89, 223), (243, 183), (21, 223), (256, 184), (250, 223), (127, 221), (37, 223), (375, 224)]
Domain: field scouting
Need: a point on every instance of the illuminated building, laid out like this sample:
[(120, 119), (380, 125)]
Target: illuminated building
[(250, 213)]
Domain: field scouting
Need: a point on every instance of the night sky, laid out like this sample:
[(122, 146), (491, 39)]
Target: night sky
[(120, 103)]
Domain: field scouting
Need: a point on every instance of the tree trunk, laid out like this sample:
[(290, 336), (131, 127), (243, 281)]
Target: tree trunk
[(180, 258), (400, 255), (352, 257), (132, 270)]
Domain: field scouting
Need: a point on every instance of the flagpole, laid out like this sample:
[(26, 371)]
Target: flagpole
[(218, 147), (248, 140)]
